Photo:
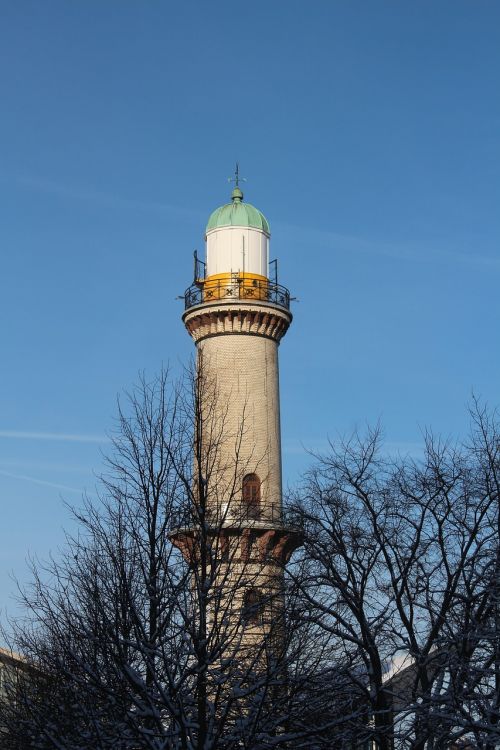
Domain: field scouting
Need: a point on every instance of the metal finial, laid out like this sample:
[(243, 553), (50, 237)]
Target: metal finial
[(236, 195), (237, 179)]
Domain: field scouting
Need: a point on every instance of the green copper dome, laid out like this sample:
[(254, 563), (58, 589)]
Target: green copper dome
[(237, 214)]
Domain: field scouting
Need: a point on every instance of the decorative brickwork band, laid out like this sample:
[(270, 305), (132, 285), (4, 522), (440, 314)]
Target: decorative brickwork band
[(271, 545), (229, 318)]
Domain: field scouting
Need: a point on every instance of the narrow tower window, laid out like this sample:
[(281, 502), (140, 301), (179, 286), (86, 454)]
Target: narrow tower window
[(253, 607), (251, 495)]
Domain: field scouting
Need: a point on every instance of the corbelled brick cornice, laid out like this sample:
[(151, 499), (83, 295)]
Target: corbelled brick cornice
[(237, 317)]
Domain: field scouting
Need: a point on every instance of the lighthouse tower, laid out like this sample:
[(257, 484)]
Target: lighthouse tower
[(237, 314)]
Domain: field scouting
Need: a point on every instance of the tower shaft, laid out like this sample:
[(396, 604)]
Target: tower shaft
[(237, 346), (237, 318)]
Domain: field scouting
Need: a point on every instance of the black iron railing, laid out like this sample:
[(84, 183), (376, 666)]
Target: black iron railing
[(236, 515), (254, 290)]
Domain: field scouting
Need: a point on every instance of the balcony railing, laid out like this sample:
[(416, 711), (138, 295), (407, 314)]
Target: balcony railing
[(207, 292), (236, 515)]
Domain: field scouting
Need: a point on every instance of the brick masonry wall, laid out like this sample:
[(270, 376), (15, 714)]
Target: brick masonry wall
[(245, 376)]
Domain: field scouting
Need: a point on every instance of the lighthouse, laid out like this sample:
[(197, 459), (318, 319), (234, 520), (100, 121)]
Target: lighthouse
[(237, 314)]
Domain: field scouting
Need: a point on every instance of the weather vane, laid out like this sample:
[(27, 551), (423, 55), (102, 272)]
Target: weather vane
[(237, 179)]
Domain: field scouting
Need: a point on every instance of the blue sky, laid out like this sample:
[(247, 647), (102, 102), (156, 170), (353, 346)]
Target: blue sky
[(369, 134)]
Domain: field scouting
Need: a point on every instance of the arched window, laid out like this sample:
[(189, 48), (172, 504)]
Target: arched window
[(253, 607), (224, 548), (251, 495)]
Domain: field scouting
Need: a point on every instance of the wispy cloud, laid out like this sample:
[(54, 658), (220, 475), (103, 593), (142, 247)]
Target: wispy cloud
[(24, 464), (311, 447), (43, 482), (102, 197), (59, 436), (317, 447), (406, 249)]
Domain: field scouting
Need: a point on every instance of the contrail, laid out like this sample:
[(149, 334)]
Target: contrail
[(34, 480), (61, 436), (98, 196)]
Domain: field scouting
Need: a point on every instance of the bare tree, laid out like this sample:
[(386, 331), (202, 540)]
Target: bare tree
[(142, 634), (153, 628), (400, 569)]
